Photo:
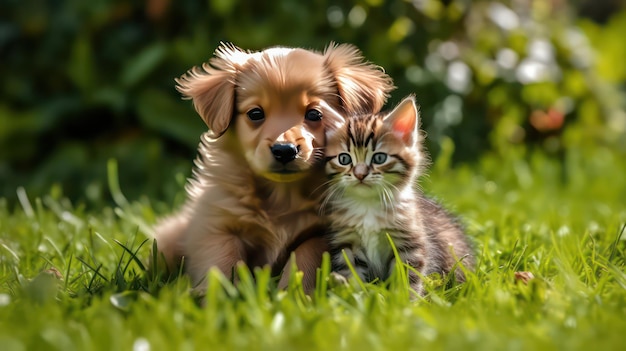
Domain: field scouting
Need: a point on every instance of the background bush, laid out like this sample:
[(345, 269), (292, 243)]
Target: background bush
[(83, 82)]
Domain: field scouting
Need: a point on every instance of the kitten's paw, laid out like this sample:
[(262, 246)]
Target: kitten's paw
[(335, 279)]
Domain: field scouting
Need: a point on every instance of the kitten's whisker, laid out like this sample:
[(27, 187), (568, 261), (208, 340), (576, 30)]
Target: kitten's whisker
[(329, 195), (326, 183), (390, 192), (335, 193), (394, 188), (388, 201), (383, 198)]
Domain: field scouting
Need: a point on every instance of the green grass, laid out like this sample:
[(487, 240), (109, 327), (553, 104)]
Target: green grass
[(76, 279)]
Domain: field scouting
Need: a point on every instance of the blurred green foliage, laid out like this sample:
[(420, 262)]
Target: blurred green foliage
[(83, 82)]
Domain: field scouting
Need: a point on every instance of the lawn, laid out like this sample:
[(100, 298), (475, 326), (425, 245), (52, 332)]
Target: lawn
[(75, 278)]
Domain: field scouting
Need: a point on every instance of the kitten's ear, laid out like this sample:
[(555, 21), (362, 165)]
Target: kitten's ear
[(404, 120)]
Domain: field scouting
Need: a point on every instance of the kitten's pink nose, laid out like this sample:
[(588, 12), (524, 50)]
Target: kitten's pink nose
[(360, 171)]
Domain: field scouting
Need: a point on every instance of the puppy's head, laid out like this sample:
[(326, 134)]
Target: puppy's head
[(271, 101)]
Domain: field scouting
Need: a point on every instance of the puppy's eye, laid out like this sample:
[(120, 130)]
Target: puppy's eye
[(344, 159), (256, 114), (313, 115), (379, 158)]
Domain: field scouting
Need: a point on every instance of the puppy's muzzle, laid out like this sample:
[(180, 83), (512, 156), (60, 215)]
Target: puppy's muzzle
[(284, 152)]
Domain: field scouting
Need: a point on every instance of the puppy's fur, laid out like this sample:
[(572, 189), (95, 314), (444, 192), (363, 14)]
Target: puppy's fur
[(247, 201)]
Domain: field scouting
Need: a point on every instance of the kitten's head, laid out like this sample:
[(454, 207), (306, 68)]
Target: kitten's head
[(375, 155)]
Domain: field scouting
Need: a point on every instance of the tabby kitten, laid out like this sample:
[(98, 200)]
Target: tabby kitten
[(372, 164)]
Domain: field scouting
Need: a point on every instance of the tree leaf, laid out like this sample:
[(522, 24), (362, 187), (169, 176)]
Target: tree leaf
[(160, 112), (142, 64)]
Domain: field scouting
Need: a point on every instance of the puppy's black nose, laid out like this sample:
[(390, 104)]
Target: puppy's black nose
[(284, 153)]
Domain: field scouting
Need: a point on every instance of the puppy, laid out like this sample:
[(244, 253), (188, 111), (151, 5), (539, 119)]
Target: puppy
[(250, 196)]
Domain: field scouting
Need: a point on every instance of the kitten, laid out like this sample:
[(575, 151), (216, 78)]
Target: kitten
[(373, 162)]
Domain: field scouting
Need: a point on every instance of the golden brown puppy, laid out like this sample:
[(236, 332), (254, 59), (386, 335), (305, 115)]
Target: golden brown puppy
[(249, 199)]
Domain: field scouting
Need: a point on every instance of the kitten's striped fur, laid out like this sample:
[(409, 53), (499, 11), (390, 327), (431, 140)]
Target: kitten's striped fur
[(372, 163)]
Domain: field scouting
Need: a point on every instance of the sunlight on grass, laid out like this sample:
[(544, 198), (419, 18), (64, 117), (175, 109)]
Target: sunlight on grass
[(74, 279)]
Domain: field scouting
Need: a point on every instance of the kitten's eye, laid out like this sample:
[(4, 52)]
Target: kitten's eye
[(256, 114), (379, 158), (344, 159), (313, 115)]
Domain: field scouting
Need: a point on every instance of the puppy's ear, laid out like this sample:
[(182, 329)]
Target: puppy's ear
[(211, 87), (363, 86), (333, 120)]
